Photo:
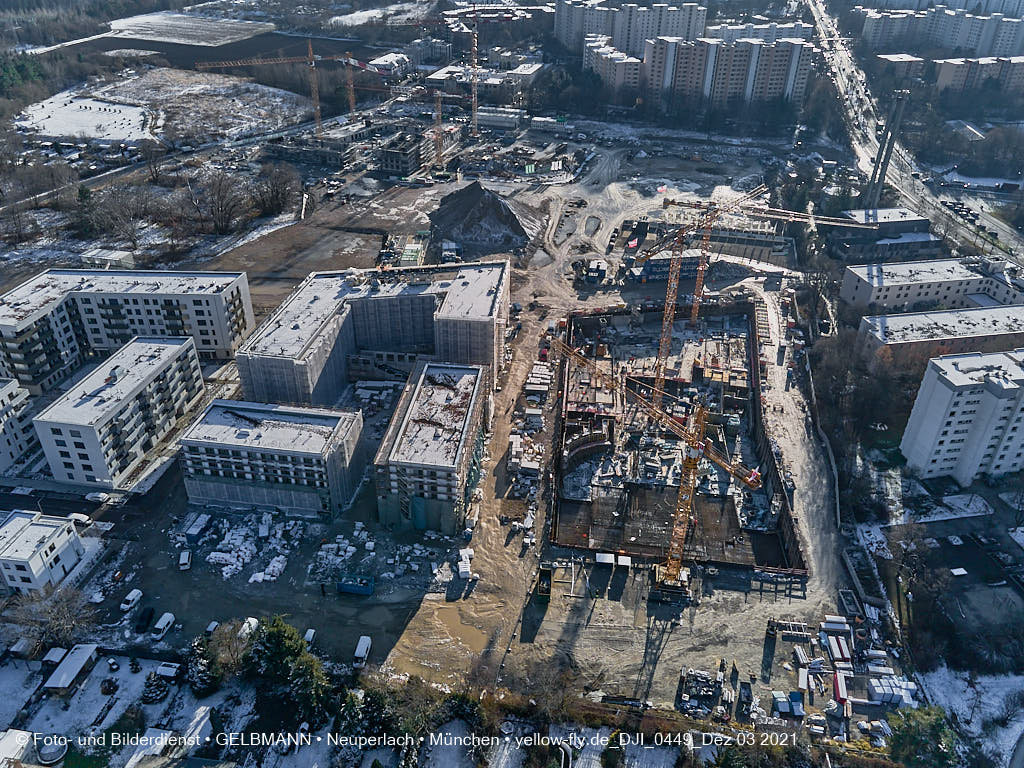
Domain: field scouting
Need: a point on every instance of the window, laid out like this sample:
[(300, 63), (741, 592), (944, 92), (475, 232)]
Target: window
[(54, 431)]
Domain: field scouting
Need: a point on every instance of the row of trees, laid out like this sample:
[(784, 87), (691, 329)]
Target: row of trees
[(215, 203)]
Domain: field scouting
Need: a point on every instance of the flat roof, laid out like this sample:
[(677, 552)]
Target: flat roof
[(899, 57), (265, 426), (1003, 368), (910, 272), (882, 215), (435, 426), (66, 672), (100, 393), (946, 324), (465, 291), (23, 532), (38, 295)]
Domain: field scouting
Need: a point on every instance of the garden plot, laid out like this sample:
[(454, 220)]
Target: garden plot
[(70, 114), (18, 682), (88, 709)]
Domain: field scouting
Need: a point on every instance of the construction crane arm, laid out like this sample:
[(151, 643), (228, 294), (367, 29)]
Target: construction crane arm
[(781, 214), (749, 477)]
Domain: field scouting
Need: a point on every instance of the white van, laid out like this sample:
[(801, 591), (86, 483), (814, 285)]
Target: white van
[(185, 560), (163, 624), (131, 600), (169, 670), (362, 652), (309, 637)]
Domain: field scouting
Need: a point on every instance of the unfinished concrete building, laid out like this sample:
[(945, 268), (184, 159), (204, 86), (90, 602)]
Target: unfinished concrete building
[(306, 461), (340, 323), (619, 473), (429, 461)]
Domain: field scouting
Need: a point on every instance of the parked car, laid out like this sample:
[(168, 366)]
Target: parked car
[(211, 628), (112, 664), (185, 560), (131, 600), (162, 626)]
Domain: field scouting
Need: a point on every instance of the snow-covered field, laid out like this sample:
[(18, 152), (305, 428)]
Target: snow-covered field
[(17, 682), (68, 114), (395, 12), (166, 27), (985, 697)]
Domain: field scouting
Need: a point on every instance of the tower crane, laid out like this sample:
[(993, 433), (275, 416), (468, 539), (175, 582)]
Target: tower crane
[(310, 59), (696, 446)]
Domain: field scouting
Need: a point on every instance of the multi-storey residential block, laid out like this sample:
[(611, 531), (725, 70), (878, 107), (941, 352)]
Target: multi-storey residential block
[(969, 74), (430, 458), (16, 433), (301, 354), (769, 33), (618, 71), (943, 27), (51, 323), (721, 74), (948, 283), (307, 461), (912, 338), (968, 418), (37, 551), (628, 26), (100, 430)]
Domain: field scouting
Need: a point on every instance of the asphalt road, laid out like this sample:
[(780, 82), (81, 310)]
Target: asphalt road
[(862, 119), (48, 503)]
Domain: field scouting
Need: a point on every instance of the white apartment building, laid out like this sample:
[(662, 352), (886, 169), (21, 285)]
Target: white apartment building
[(52, 322), (770, 32), (949, 283), (618, 71), (968, 418), (101, 429), (1014, 8), (721, 74), (952, 29), (307, 461), (37, 551), (628, 26), (16, 433)]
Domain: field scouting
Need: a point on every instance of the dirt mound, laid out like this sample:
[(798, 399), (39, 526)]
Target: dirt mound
[(479, 219)]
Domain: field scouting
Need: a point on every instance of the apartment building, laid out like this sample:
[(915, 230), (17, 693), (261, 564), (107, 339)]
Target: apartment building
[(769, 33), (968, 418), (909, 339), (301, 354), (902, 65), (970, 74), (618, 71), (101, 429), (722, 74), (306, 461), (1013, 8), (37, 551), (16, 433), (944, 27), (429, 461), (628, 26), (949, 283), (51, 323)]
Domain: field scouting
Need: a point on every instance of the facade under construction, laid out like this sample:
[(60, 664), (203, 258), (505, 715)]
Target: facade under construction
[(620, 469), (338, 326)]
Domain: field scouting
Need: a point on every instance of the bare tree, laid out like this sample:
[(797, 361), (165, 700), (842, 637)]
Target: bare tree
[(221, 200), (275, 189), (153, 155), (60, 618), (228, 645), (124, 209)]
